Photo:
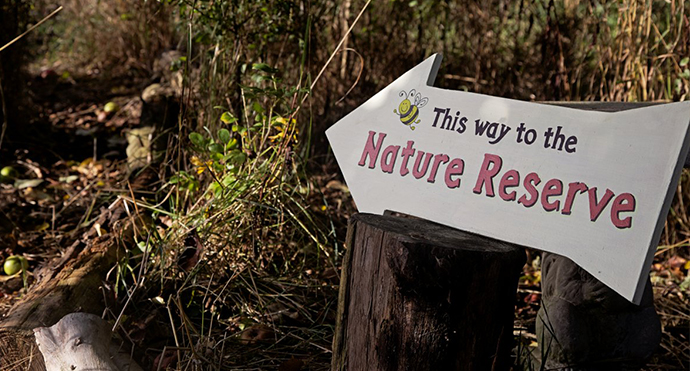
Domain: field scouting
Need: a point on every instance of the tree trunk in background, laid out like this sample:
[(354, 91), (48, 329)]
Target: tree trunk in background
[(416, 295), (14, 16)]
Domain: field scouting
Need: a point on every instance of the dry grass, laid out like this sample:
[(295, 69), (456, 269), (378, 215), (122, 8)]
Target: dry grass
[(104, 36)]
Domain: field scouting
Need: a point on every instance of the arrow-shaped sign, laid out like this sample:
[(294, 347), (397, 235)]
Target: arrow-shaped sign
[(593, 186)]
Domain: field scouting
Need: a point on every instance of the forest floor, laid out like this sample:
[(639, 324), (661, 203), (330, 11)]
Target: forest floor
[(70, 164)]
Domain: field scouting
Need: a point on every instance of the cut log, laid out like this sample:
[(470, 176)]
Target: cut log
[(75, 288), (69, 285), (416, 295), (81, 341)]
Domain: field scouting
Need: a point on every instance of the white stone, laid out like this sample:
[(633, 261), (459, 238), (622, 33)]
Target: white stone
[(81, 341)]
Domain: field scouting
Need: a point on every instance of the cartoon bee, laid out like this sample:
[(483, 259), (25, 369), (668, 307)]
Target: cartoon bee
[(410, 111)]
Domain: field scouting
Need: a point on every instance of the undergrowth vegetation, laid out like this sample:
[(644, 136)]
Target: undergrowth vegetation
[(248, 258), (235, 256), (100, 36)]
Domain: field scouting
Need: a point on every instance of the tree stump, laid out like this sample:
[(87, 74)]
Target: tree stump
[(416, 295), (584, 325)]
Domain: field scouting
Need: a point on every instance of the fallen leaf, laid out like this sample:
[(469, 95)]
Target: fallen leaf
[(166, 220), (291, 364), (68, 179), (34, 196), (338, 186), (685, 285), (532, 298), (26, 183), (102, 116), (42, 227), (256, 333), (158, 300), (164, 360), (192, 251), (676, 261)]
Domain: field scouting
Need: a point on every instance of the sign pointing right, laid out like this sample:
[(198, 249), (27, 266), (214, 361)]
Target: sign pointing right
[(592, 186)]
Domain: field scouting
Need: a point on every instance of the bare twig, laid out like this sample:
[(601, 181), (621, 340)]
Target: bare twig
[(56, 11), (4, 114), (335, 52)]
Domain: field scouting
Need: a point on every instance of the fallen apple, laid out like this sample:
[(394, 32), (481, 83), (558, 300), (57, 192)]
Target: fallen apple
[(15, 264), (111, 107), (8, 172)]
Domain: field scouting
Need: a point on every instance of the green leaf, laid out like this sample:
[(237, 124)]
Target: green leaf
[(685, 285), (26, 183), (263, 67), (142, 246), (257, 107), (684, 61), (232, 144), (685, 74), (215, 148), (197, 139), (193, 185), (227, 118), (228, 179), (239, 159), (224, 135), (216, 188)]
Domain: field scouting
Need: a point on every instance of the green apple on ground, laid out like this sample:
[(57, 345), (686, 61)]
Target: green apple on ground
[(8, 172), (15, 264), (111, 107)]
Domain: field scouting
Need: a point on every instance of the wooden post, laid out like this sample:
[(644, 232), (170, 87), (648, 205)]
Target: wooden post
[(416, 295)]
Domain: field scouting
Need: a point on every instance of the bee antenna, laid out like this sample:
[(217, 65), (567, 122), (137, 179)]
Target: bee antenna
[(402, 94), (412, 93)]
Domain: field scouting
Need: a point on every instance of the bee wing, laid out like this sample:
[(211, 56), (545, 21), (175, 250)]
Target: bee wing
[(422, 102)]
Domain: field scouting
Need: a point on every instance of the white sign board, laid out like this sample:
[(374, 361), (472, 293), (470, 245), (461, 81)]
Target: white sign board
[(592, 186)]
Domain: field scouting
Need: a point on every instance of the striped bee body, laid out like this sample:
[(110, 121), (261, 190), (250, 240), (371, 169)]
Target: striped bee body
[(409, 117), (409, 111)]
